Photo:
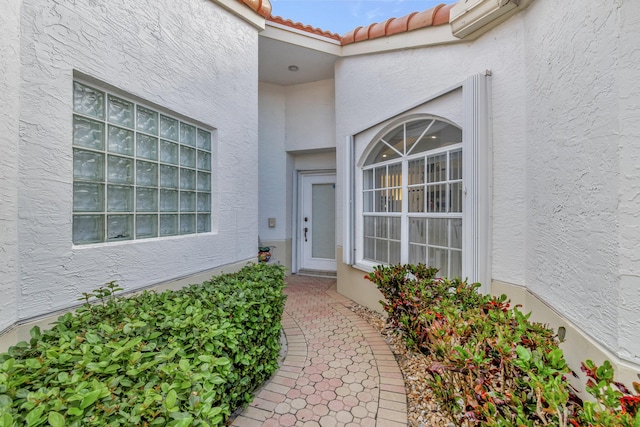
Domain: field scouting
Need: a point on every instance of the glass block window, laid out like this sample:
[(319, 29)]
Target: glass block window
[(138, 173), (412, 197)]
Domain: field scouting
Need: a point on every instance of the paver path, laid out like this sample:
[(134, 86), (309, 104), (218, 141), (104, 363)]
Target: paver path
[(338, 370)]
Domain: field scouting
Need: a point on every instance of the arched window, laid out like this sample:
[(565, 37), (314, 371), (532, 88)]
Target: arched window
[(412, 196)]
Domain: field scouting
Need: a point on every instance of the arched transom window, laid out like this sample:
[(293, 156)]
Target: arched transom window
[(412, 196)]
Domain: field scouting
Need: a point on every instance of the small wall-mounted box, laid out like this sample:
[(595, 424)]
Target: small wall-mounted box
[(272, 222)]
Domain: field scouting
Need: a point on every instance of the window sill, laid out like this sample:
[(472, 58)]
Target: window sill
[(366, 266)]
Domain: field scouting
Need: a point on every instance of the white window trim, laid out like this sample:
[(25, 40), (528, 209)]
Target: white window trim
[(477, 190)]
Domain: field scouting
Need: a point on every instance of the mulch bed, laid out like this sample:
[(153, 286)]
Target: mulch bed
[(422, 410)]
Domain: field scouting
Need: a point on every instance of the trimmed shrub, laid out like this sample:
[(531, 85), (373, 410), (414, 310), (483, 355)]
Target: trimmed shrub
[(614, 405), (490, 365), (183, 358)]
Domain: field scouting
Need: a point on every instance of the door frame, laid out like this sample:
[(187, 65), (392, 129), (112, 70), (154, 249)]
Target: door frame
[(296, 252)]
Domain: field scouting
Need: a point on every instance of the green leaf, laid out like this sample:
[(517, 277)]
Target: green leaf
[(89, 398), (6, 420), (170, 400), (523, 353), (92, 338), (35, 333), (56, 419), (184, 422), (33, 363), (5, 401), (34, 416), (222, 361), (8, 364), (108, 329)]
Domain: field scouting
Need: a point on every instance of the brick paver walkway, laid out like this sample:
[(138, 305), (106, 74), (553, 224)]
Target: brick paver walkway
[(338, 370)]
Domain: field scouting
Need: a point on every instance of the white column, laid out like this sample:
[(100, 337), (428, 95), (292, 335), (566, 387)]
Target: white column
[(476, 157)]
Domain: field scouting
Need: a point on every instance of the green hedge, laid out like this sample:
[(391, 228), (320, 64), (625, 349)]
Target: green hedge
[(183, 358)]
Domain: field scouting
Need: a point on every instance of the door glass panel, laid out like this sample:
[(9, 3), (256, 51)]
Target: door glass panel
[(323, 243)]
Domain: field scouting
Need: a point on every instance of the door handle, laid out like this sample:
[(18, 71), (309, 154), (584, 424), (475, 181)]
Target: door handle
[(305, 233)]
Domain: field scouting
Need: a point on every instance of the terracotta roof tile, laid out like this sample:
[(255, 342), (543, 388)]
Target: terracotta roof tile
[(302, 27), (437, 15), (423, 19), (442, 15), (399, 25), (379, 29), (262, 7), (350, 37), (363, 33)]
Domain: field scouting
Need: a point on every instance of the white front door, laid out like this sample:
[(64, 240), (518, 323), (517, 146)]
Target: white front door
[(317, 232)]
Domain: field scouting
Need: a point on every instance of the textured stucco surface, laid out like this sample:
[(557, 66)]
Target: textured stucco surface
[(573, 148), (565, 150), (273, 200), (9, 130), (310, 116), (629, 179), (190, 57)]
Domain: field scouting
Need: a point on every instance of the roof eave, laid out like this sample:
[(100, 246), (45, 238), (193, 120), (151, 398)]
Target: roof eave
[(243, 12)]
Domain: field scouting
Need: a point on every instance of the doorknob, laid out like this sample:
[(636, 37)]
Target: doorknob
[(305, 233)]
